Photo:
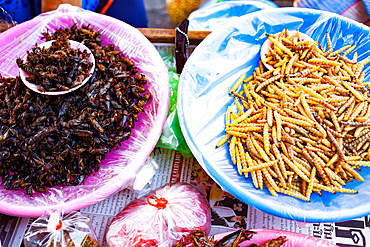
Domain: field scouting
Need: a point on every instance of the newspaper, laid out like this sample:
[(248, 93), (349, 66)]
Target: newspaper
[(12, 230), (228, 213)]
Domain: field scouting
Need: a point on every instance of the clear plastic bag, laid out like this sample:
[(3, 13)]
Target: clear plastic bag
[(161, 218), (119, 168), (6, 21), (53, 229)]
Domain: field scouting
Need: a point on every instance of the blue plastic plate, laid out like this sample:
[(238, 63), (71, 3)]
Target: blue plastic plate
[(203, 98)]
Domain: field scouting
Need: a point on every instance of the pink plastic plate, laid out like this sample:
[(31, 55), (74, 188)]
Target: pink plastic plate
[(120, 166)]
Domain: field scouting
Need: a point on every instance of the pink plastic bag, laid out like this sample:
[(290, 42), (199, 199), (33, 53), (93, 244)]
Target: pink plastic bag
[(161, 218), (55, 230)]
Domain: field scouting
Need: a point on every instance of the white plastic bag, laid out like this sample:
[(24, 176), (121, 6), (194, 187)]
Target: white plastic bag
[(55, 230), (161, 218)]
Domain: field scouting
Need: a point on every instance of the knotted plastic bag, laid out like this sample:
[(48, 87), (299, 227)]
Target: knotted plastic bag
[(53, 229), (161, 218)]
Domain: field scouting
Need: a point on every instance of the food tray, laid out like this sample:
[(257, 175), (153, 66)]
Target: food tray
[(211, 71), (120, 166)]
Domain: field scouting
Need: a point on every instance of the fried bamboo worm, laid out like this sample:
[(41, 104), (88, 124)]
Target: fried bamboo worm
[(238, 159), (328, 41), (254, 179), (334, 119), (260, 166), (270, 180), (294, 193), (296, 128), (311, 92), (239, 106), (251, 164), (306, 107), (356, 111), (242, 132), (223, 140), (366, 116), (333, 176), (278, 125), (284, 148), (260, 150), (322, 102), (320, 168), (290, 64), (294, 168), (242, 158), (296, 121), (281, 163), (227, 123), (344, 190), (232, 149), (298, 116), (361, 138), (340, 50), (359, 163), (242, 99), (269, 117), (356, 123), (355, 174), (270, 187), (251, 148), (267, 82), (323, 187), (266, 138), (278, 172), (336, 145), (311, 182), (346, 105), (260, 179), (280, 46), (237, 83), (356, 93)]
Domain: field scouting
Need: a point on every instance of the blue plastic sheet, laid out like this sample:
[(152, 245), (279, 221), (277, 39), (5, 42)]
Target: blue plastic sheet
[(211, 16), (203, 98), (367, 6), (354, 9)]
